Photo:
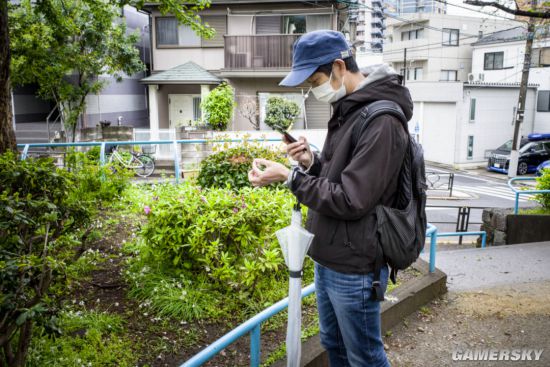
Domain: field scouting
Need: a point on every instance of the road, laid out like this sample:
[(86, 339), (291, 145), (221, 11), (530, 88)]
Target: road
[(483, 190)]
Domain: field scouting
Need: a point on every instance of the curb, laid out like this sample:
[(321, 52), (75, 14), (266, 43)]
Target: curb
[(410, 297)]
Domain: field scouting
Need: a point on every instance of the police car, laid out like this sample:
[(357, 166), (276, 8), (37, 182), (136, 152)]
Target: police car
[(532, 152)]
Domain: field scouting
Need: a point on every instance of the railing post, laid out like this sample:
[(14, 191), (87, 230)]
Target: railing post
[(25, 152), (176, 162), (433, 245), (102, 154), (516, 208), (255, 346), (483, 239)]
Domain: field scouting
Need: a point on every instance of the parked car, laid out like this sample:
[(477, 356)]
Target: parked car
[(544, 165), (533, 150)]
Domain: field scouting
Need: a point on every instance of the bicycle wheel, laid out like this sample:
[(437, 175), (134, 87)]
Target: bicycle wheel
[(145, 167)]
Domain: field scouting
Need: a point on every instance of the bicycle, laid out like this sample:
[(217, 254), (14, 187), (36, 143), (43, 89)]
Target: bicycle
[(142, 164)]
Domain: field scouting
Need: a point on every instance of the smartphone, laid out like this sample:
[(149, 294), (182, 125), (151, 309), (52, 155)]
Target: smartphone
[(289, 137)]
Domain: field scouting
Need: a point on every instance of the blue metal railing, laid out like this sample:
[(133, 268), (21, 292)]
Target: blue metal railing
[(523, 192), (102, 144), (252, 326)]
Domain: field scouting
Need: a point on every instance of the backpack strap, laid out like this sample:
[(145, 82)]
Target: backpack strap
[(369, 113), (372, 111)]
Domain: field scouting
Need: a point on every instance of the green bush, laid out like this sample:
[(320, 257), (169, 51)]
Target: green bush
[(39, 218), (207, 253), (543, 183), (84, 339), (230, 167), (218, 106), (280, 113), (97, 184)]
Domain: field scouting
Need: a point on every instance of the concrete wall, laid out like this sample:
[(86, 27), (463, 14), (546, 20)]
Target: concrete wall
[(429, 47)]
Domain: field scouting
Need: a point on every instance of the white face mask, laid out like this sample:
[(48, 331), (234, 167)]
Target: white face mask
[(325, 93)]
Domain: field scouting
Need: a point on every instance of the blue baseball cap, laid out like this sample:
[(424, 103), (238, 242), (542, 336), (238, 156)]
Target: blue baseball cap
[(312, 50)]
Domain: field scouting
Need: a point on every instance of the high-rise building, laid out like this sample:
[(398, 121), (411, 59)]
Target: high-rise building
[(398, 7)]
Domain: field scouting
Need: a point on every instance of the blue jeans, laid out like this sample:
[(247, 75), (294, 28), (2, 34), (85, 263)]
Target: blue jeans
[(349, 320)]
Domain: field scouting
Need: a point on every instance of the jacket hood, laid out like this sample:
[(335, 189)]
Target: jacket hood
[(381, 83)]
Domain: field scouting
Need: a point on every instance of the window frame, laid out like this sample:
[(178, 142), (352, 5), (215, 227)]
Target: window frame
[(486, 55), (540, 99), (472, 110), (448, 80), (203, 43), (449, 41)]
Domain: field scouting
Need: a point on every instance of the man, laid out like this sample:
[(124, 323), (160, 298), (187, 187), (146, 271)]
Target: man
[(341, 188)]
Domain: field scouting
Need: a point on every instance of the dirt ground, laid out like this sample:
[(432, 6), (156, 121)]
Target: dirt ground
[(510, 317)]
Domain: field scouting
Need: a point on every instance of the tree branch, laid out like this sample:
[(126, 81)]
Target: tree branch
[(525, 13)]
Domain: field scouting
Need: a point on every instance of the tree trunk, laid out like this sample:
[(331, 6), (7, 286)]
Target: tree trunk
[(7, 135)]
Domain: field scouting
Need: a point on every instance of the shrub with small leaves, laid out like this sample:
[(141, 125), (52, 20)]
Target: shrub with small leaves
[(543, 183), (280, 113), (229, 167), (218, 106), (39, 217)]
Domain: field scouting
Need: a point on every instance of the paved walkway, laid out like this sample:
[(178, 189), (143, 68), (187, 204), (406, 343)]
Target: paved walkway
[(475, 268)]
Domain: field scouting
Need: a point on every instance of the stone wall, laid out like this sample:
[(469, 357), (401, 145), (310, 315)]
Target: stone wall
[(494, 223)]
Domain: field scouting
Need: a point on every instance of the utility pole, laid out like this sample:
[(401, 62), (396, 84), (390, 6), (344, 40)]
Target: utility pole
[(405, 66), (514, 156)]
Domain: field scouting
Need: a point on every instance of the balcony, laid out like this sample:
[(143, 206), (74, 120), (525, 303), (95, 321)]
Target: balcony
[(259, 52)]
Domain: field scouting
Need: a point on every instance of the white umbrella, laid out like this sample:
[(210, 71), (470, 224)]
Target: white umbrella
[(294, 241)]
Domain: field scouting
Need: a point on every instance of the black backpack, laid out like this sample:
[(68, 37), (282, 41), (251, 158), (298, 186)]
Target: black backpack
[(401, 228)]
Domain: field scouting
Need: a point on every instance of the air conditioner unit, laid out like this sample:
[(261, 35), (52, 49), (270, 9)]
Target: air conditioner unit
[(481, 77), (470, 78)]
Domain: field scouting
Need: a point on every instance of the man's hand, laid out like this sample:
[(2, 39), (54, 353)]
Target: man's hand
[(273, 172), (299, 151)]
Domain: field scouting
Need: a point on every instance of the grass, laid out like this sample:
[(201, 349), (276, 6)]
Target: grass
[(86, 338), (535, 211)]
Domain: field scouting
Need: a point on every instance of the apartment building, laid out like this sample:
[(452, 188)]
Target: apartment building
[(435, 47), (252, 51)]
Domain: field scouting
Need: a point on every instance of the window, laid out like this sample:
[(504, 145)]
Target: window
[(472, 109), (412, 35), (470, 153), (170, 33), (418, 72), (543, 101), (450, 37), (540, 57), (448, 75), (294, 24), (493, 60), (197, 108)]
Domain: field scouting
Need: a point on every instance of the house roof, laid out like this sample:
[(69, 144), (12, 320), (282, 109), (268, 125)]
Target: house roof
[(188, 73), (510, 35)]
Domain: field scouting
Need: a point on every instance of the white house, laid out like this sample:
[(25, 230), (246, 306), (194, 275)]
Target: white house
[(460, 123), (498, 58)]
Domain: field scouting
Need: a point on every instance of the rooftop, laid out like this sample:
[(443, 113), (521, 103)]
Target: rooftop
[(188, 73)]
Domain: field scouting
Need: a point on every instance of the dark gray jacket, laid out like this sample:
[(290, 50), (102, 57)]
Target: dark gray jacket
[(343, 186)]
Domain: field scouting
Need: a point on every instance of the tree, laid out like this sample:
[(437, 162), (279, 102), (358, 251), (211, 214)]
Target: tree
[(248, 108), (218, 106), (7, 135), (63, 45), (531, 12), (53, 13), (280, 113)]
